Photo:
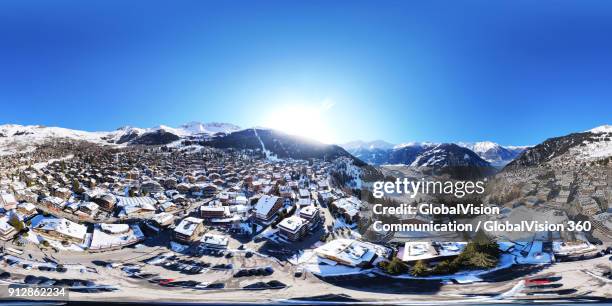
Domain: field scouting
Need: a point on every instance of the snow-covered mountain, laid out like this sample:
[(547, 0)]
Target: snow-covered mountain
[(196, 127), (588, 146), (494, 153), (405, 153), (440, 157), (368, 145), (16, 138)]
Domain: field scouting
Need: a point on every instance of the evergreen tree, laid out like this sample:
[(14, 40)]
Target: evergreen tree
[(420, 269), (396, 266)]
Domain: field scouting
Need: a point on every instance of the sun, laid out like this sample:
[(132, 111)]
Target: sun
[(301, 120)]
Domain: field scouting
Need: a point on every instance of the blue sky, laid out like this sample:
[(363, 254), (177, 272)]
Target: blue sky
[(514, 72)]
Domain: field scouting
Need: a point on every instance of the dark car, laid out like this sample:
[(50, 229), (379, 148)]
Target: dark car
[(5, 275), (31, 280), (100, 263), (188, 283), (257, 286), (11, 262), (241, 273), (61, 283), (274, 284), (216, 286)]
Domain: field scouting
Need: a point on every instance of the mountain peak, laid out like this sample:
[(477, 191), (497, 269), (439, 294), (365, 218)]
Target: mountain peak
[(197, 127), (606, 128), (370, 145)]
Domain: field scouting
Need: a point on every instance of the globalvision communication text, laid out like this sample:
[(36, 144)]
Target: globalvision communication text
[(455, 217)]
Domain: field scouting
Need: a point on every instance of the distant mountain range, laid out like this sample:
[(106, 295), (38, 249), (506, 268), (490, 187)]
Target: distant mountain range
[(275, 144), (125, 135), (380, 152), (272, 143)]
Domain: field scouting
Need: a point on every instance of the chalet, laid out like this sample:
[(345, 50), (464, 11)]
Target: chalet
[(209, 190), (163, 219), (352, 253), (267, 207), (349, 208), (189, 230), (151, 187), (213, 241), (183, 188), (285, 191), (54, 203), (63, 193), (7, 231), (8, 201), (213, 210), (106, 202), (89, 208), (26, 209), (60, 229), (168, 206)]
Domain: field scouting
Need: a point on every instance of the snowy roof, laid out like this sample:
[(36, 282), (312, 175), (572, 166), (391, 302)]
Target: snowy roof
[(350, 205), (213, 239), (27, 206), (90, 205), (162, 218), (135, 201), (414, 250), (188, 226), (114, 228), (304, 193), (265, 204), (7, 199), (348, 251), (292, 223), (101, 239), (133, 209), (62, 226), (309, 211), (212, 207), (4, 225)]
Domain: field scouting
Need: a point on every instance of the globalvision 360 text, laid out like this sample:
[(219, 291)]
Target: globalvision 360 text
[(489, 226)]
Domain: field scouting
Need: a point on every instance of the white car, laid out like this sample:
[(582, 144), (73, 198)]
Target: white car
[(202, 285)]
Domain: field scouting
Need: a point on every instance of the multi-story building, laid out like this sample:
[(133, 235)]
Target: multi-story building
[(292, 228), (266, 207), (189, 230)]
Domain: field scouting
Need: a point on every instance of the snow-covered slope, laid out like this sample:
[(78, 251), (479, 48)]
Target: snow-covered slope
[(368, 145), (406, 153), (196, 127), (494, 153), (592, 145), (18, 138), (601, 129)]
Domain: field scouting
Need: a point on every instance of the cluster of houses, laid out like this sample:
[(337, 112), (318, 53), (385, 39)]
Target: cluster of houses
[(125, 195)]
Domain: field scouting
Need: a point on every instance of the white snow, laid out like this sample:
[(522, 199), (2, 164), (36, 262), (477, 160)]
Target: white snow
[(601, 129), (16, 138)]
